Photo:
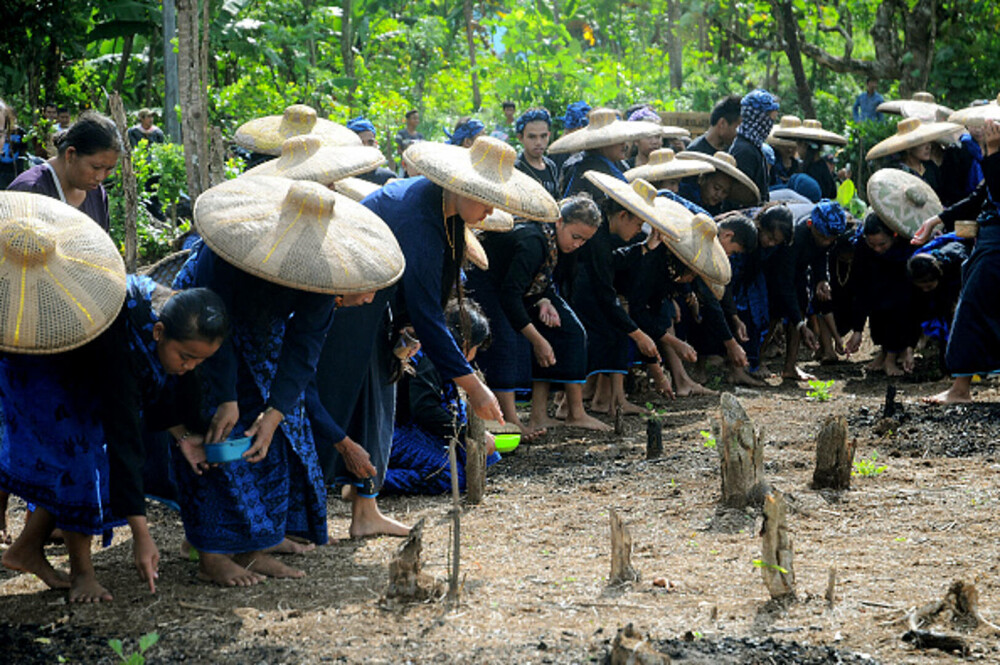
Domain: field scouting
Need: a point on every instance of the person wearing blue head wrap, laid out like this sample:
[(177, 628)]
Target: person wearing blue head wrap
[(465, 132), (806, 186), (829, 220), (758, 111), (533, 131), (365, 130), (576, 118)]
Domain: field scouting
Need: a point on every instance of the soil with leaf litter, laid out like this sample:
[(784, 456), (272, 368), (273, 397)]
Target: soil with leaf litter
[(536, 554)]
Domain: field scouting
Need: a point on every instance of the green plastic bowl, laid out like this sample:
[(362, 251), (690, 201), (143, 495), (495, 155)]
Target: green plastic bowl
[(506, 443)]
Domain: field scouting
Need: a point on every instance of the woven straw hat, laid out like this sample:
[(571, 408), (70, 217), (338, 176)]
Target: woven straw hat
[(61, 278), (357, 188), (699, 248), (671, 132), (922, 105), (475, 253), (910, 133), (298, 234), (787, 122), (663, 165), (265, 135), (809, 130), (902, 200), (976, 116), (485, 172), (499, 220), (604, 129), (641, 200), (307, 158), (744, 191)]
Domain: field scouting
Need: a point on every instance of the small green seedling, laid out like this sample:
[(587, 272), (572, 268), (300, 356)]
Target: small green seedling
[(868, 467), (759, 563), (709, 439), (820, 390), (138, 658), (654, 413)]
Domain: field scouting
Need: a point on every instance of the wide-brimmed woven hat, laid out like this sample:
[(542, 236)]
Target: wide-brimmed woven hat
[(922, 105), (475, 253), (902, 200), (976, 116), (910, 133), (639, 197), (498, 220), (307, 158), (484, 172), (744, 191), (265, 135), (672, 132), (604, 129), (357, 188), (62, 279), (663, 165), (787, 122), (699, 247), (298, 234), (809, 130)]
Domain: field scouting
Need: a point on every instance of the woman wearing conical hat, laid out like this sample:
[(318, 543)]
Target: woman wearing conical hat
[(71, 450), (810, 137), (911, 146), (283, 255), (786, 163), (429, 216), (724, 188)]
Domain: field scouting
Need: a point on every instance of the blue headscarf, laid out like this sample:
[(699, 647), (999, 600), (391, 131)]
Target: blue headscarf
[(805, 185), (828, 218), (532, 115), (467, 130), (576, 115), (646, 113), (755, 118), (361, 124)]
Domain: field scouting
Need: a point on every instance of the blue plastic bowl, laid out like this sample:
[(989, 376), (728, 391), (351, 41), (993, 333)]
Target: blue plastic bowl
[(227, 451)]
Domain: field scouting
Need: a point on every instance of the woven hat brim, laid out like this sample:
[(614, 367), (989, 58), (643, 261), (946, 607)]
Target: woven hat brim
[(68, 298), (809, 134), (662, 218), (671, 170), (355, 252), (925, 133), (779, 142), (263, 135), (707, 260), (500, 221), (451, 167), (672, 132), (614, 133), (887, 192), (976, 116), (357, 189), (325, 166), (474, 251), (909, 108), (744, 191)]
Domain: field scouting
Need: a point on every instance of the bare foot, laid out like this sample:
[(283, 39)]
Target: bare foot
[(951, 396), (661, 384), (586, 421), (797, 375), (878, 362), (288, 546), (689, 388), (535, 429), (25, 561), (908, 361), (377, 525), (265, 564), (601, 407), (84, 588), (222, 570), (630, 409), (891, 369), (739, 376)]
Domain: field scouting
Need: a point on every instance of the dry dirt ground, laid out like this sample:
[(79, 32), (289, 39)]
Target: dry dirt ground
[(536, 554)]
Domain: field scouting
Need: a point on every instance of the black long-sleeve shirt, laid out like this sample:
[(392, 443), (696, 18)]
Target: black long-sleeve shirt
[(599, 262), (795, 270), (750, 160), (516, 257)]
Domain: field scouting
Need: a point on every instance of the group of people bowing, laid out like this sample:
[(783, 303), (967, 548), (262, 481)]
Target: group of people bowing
[(324, 319)]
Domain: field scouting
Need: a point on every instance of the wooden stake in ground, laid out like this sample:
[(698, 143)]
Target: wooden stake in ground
[(475, 459), (456, 525), (776, 558), (622, 571), (654, 438), (128, 184), (406, 581), (741, 448), (630, 647), (834, 455)]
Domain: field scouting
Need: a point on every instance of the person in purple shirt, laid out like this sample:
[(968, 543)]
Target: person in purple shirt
[(87, 154)]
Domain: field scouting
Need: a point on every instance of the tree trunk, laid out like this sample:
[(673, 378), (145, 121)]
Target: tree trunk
[(675, 45), (406, 581), (741, 448), (477, 100), (776, 559), (192, 96), (123, 63), (128, 185), (475, 459), (834, 455), (149, 69), (217, 172), (790, 29), (171, 85), (622, 571)]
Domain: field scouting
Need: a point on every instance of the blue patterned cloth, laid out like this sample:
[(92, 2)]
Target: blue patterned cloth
[(361, 124), (755, 116), (828, 218), (469, 129), (533, 115), (577, 115), (269, 360)]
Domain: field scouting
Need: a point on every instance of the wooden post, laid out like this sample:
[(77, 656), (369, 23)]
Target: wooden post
[(741, 450), (217, 172), (619, 421), (456, 526), (475, 459), (654, 438), (622, 571), (776, 559), (834, 455), (128, 184), (406, 581)]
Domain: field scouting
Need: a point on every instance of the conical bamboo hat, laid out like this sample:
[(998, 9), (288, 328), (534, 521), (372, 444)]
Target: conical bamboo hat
[(910, 133), (922, 105), (809, 130), (902, 200), (786, 122), (603, 129), (638, 197), (265, 135), (744, 189), (62, 280), (699, 247), (976, 116), (662, 165), (298, 234), (475, 253), (357, 188), (306, 157), (498, 220)]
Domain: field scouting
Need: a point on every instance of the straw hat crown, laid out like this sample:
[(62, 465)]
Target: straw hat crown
[(787, 122), (902, 200), (604, 129), (266, 135), (744, 189), (62, 280), (663, 165), (976, 116), (299, 234), (911, 132), (639, 198), (485, 172), (306, 157), (810, 130)]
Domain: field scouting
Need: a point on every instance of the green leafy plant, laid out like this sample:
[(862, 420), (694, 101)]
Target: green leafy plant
[(868, 467), (654, 413), (760, 563), (138, 657), (820, 390), (709, 440)]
